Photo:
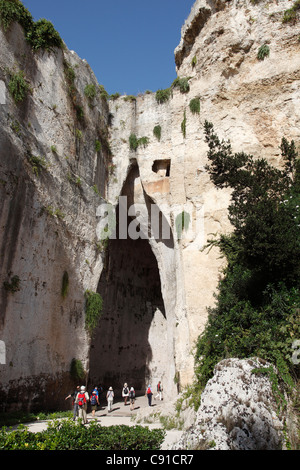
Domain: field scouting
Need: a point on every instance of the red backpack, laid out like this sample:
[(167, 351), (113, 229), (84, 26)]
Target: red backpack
[(81, 399)]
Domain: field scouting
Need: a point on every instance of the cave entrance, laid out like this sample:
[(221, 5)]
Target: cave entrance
[(130, 341)]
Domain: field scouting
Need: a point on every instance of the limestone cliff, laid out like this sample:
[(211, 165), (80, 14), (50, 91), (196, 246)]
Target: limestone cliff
[(156, 290)]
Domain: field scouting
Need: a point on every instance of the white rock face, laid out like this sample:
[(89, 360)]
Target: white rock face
[(251, 102), (237, 411)]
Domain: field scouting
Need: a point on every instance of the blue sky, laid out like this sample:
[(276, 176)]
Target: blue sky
[(129, 44)]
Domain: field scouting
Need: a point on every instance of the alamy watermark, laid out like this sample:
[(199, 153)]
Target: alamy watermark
[(2, 92), (151, 222)]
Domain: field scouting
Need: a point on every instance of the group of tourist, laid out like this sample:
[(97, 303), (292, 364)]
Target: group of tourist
[(80, 398)]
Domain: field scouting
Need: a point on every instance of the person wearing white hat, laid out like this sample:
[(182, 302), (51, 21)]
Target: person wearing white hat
[(110, 398), (82, 401), (125, 393)]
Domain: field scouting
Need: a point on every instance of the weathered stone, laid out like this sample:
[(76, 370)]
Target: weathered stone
[(238, 411), (49, 222)]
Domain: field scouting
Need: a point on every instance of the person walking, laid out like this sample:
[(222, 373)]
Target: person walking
[(82, 401), (110, 398), (149, 394), (125, 393), (159, 389), (75, 405), (94, 401), (131, 398)]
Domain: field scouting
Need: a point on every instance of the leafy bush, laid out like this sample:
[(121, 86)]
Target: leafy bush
[(130, 98), (67, 435), (90, 91), (38, 164), (14, 10), (115, 96), (258, 297), (134, 142), (42, 35), (18, 86), (263, 52), (195, 105), (183, 125), (290, 15), (157, 132), (162, 96), (93, 310), (182, 84), (97, 145)]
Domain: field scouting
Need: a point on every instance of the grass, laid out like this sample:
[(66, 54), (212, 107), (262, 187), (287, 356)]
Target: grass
[(20, 417)]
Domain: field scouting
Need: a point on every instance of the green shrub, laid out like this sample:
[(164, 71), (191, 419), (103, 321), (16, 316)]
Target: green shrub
[(90, 91), (115, 96), (38, 164), (18, 86), (144, 141), (157, 132), (130, 98), (93, 310), (133, 142), (195, 105), (182, 84), (103, 92), (97, 145), (263, 52), (183, 125), (43, 35), (40, 34), (290, 15), (79, 112), (14, 10), (162, 96), (67, 435)]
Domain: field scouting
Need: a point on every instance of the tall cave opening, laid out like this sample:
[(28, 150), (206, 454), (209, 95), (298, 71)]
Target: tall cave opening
[(130, 342)]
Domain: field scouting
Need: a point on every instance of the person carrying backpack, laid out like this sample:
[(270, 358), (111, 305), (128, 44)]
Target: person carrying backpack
[(131, 398), (94, 401), (82, 401), (159, 391), (125, 393), (149, 394)]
